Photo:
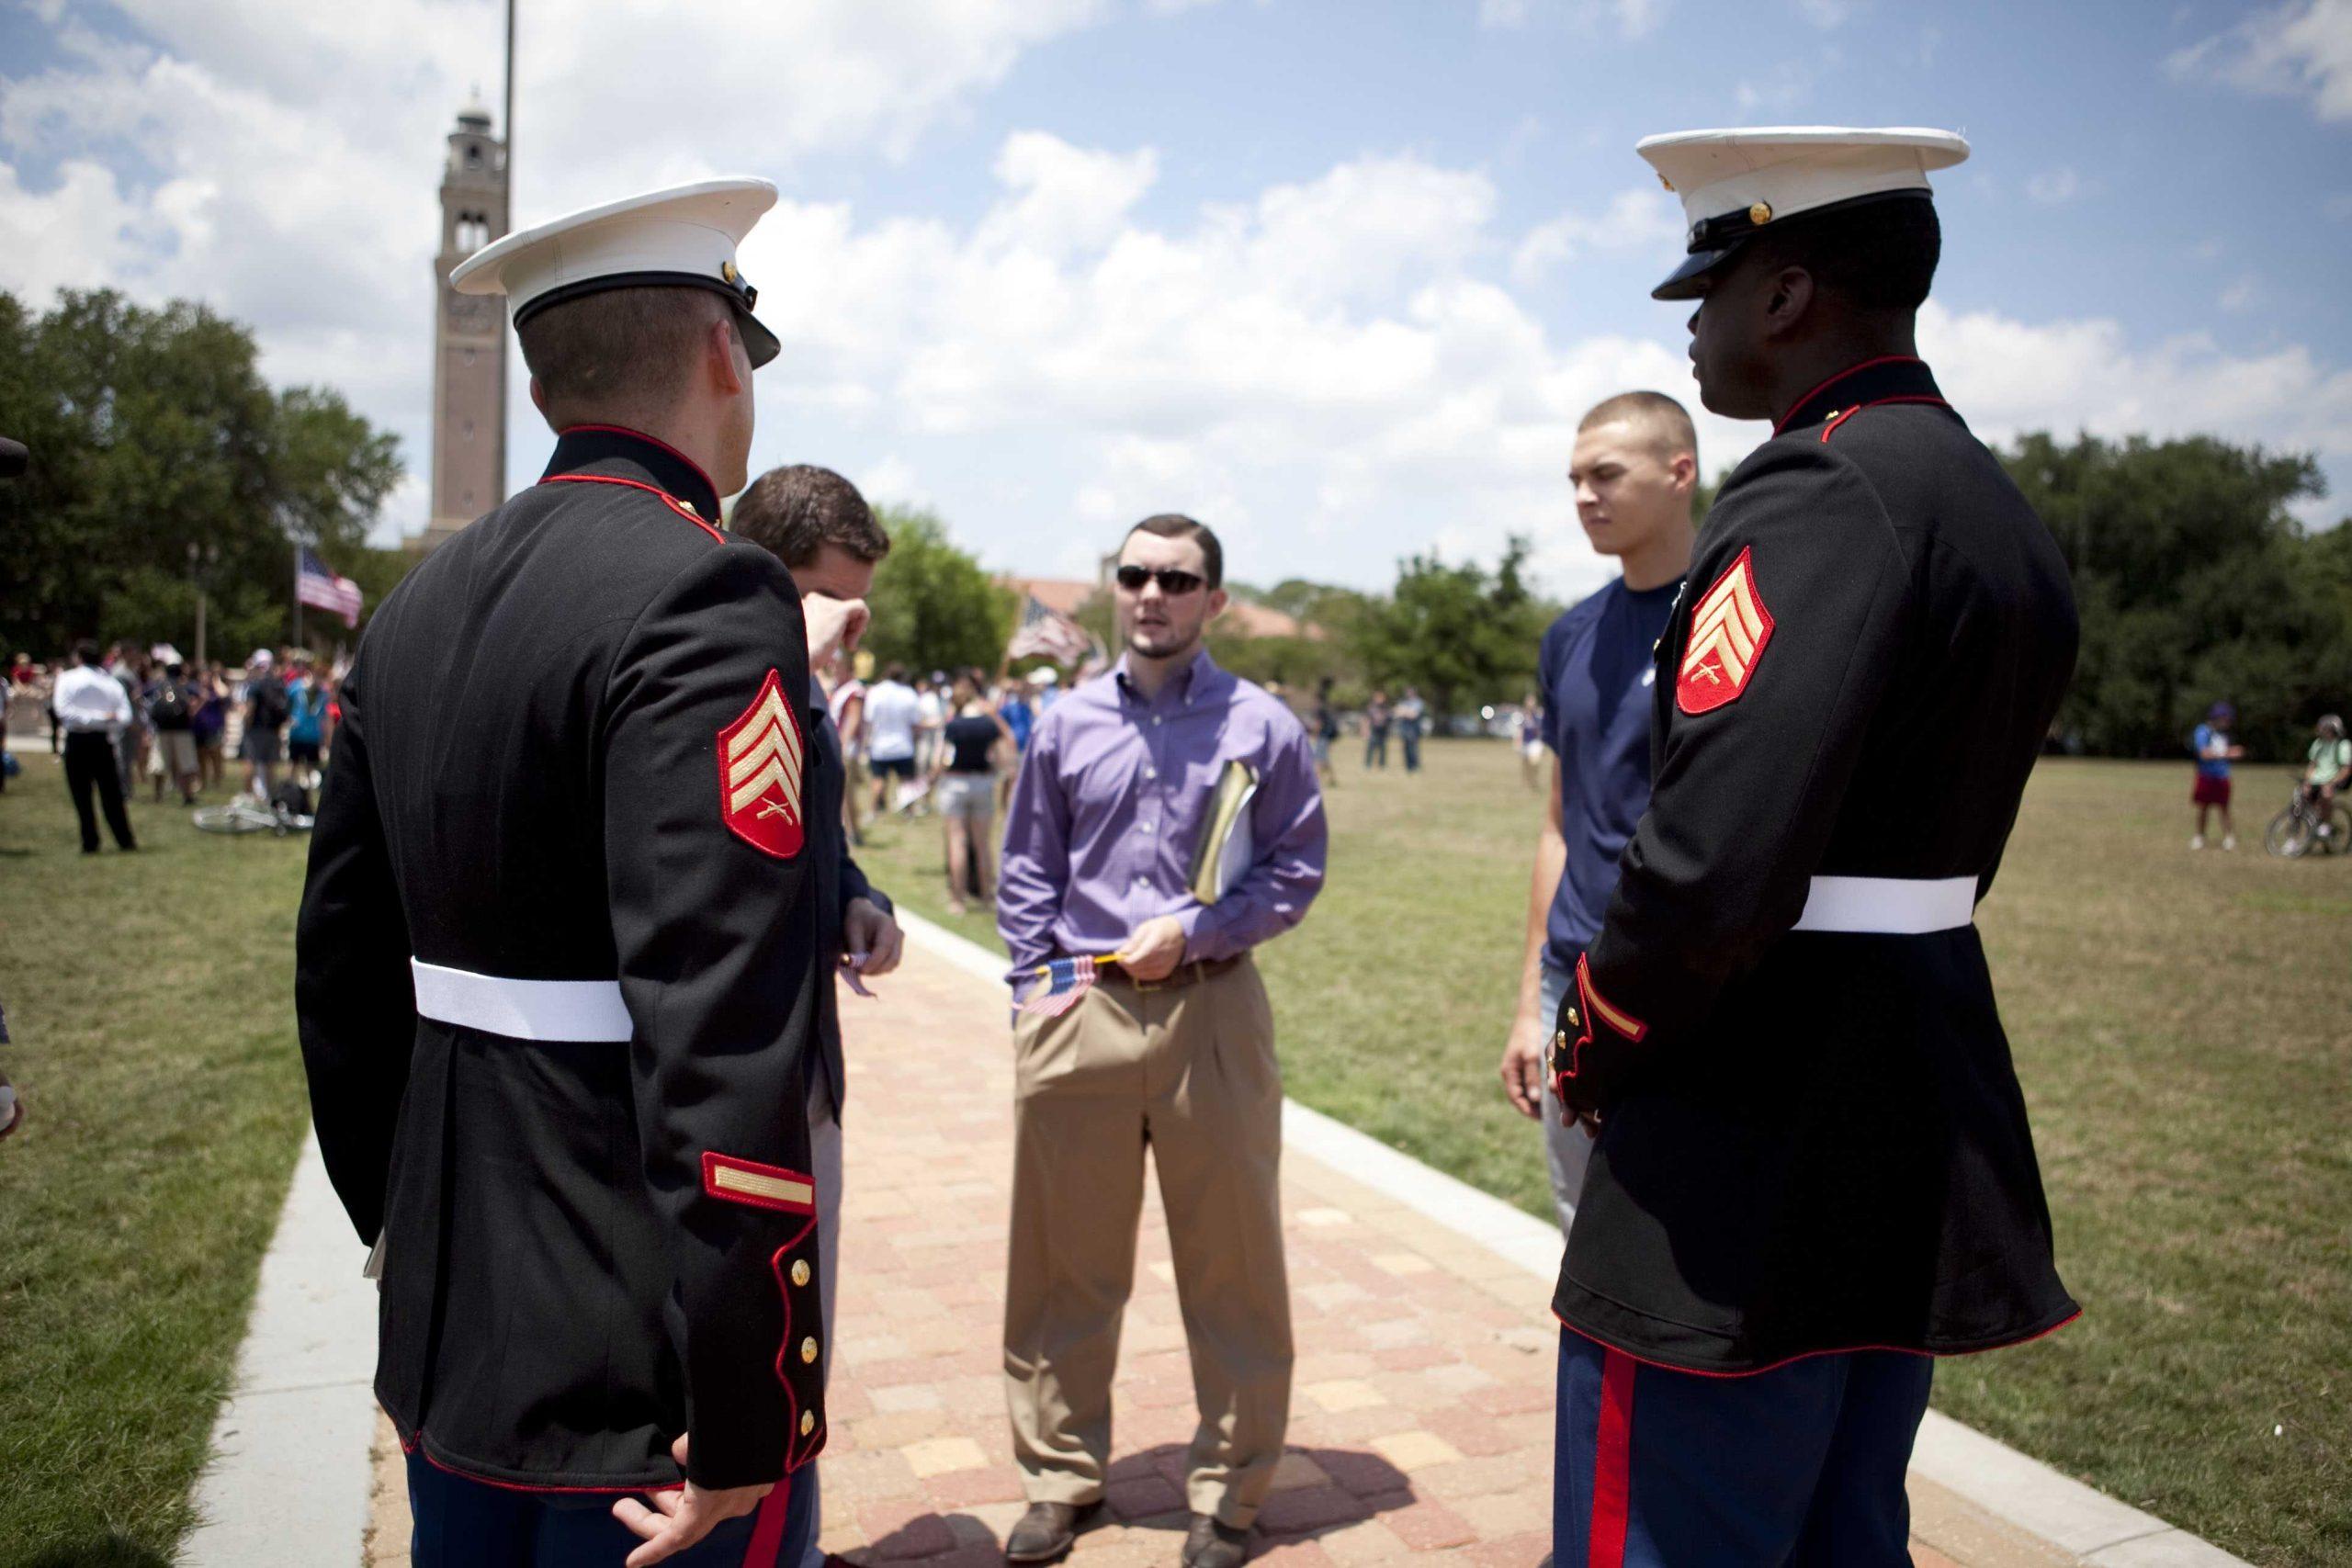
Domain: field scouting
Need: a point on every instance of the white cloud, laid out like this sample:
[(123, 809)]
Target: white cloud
[(1641, 218), (2008, 375), (1830, 15), (2242, 295), (1779, 89), (276, 159), (2301, 49), (1628, 20), (2054, 187)]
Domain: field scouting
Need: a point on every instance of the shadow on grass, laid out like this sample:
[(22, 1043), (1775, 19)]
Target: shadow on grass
[(106, 1552), (1146, 1492)]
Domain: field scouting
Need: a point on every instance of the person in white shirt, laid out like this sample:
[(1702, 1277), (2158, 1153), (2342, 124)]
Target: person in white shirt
[(893, 712), (92, 711), (931, 713)]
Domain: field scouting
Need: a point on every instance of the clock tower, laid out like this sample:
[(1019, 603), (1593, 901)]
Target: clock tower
[(469, 338)]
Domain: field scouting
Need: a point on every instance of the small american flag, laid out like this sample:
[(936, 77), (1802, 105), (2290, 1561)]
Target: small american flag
[(1065, 980), (315, 585), (1046, 630)]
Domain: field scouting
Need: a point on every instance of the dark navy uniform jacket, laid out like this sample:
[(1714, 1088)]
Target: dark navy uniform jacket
[(575, 747), (1814, 1140)]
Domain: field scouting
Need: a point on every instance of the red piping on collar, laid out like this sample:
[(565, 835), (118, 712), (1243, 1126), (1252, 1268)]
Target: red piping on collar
[(648, 440), (1781, 424), (674, 504), (1908, 398)]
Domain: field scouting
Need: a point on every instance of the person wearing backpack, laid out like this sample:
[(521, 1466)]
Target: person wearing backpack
[(265, 711), (171, 712)]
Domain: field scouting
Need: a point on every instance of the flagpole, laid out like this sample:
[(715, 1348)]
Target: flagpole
[(297, 593)]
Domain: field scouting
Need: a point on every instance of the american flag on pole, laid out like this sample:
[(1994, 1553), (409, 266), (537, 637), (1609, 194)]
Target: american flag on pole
[(315, 585), (1065, 980), (1046, 630)]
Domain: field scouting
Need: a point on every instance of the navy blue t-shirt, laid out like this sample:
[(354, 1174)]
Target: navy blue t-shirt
[(1597, 670)]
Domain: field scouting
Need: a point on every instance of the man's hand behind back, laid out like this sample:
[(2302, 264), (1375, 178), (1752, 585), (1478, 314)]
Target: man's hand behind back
[(678, 1519)]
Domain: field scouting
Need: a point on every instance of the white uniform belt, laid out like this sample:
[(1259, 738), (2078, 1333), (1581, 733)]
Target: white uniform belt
[(1890, 906), (522, 1009)]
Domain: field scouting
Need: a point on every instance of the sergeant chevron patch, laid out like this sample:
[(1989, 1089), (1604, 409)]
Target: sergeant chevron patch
[(1728, 631), (759, 773)]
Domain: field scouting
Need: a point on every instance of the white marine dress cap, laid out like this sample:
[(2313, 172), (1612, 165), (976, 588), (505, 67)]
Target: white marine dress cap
[(685, 235), (1734, 184)]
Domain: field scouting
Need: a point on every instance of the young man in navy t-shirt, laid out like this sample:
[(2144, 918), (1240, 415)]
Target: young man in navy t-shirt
[(1635, 473)]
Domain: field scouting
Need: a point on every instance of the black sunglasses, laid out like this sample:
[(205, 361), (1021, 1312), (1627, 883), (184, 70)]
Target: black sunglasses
[(1172, 583)]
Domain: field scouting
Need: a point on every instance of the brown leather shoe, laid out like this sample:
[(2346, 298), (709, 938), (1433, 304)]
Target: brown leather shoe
[(1045, 1532), (1209, 1544)]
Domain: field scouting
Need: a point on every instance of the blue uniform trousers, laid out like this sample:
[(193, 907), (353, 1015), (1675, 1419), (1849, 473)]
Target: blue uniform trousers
[(1802, 1465), (464, 1523)]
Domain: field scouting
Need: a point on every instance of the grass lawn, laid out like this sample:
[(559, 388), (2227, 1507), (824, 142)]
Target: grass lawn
[(151, 997), (2185, 1044)]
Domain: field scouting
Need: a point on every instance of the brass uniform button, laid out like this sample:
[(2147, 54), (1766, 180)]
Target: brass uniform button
[(800, 1271), (1575, 1022), (1760, 214), (808, 1349), (808, 1422)]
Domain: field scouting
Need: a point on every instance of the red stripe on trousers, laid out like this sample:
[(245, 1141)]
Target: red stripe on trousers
[(767, 1531), (1612, 1462)]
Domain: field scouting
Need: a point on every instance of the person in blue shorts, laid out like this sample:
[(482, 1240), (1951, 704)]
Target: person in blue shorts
[(1635, 474)]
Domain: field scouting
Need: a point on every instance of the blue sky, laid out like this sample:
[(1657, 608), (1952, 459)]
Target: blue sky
[(1336, 277)]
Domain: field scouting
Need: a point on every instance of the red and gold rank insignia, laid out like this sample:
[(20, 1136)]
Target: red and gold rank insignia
[(1728, 631), (759, 773)]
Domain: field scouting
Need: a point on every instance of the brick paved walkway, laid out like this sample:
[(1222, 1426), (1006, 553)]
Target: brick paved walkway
[(1421, 1425)]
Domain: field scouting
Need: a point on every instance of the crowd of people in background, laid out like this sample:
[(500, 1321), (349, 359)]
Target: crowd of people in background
[(126, 717)]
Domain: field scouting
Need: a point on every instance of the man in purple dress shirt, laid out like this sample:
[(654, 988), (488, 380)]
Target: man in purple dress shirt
[(1174, 1046)]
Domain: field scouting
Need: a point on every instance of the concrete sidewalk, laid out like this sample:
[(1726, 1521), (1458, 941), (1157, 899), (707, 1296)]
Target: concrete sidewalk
[(1421, 1426)]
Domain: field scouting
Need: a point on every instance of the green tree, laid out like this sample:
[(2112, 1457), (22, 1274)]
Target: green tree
[(1461, 634), (160, 453), (934, 607), (2195, 584)]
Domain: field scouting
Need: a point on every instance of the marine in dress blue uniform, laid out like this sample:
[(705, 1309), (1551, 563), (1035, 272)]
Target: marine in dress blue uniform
[(562, 977), (1813, 1170)]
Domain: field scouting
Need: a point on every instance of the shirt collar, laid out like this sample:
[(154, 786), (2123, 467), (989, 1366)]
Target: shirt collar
[(632, 453), (1183, 684), (1894, 376)]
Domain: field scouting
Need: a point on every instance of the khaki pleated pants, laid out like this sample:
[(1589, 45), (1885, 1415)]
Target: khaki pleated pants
[(1189, 1072)]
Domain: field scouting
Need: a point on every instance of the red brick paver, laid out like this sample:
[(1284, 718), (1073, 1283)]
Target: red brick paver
[(1420, 1428)]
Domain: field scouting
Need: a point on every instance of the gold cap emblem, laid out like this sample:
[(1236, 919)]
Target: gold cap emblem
[(1760, 214), (1666, 183)]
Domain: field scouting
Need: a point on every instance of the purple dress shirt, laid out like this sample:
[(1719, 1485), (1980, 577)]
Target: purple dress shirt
[(1113, 797)]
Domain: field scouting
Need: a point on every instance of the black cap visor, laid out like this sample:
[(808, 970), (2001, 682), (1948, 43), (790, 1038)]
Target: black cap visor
[(758, 344), (1687, 281)]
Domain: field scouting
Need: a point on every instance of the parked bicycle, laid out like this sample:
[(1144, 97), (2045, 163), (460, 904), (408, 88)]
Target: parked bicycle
[(2307, 824)]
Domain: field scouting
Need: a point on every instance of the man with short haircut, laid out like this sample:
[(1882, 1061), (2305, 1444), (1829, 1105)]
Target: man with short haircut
[(1171, 1046), (561, 973), (90, 708), (817, 524), (170, 710), (266, 713), (892, 711), (1634, 472), (1813, 1172)]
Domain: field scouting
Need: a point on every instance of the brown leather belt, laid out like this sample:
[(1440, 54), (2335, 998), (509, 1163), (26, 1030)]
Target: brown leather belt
[(1183, 975)]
